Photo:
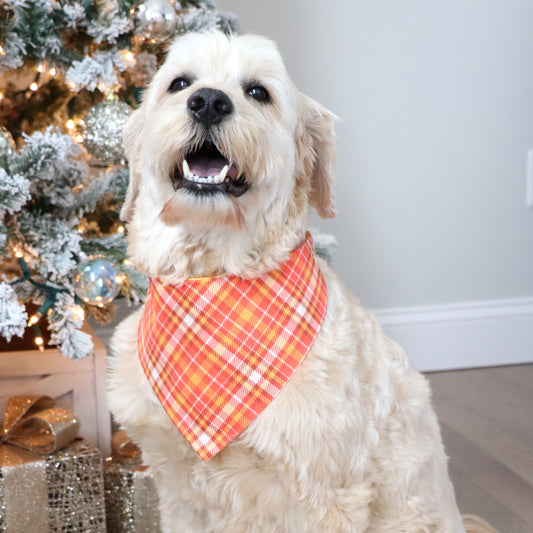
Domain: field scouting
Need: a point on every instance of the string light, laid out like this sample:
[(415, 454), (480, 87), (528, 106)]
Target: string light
[(34, 319), (40, 68), (53, 72), (1, 95), (121, 229), (38, 338), (2, 53), (70, 124), (33, 87), (78, 312), (79, 139), (18, 253)]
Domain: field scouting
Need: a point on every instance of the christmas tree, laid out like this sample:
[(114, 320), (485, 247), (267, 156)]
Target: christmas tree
[(70, 73)]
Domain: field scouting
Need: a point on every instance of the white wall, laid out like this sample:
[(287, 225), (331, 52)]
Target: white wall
[(436, 101)]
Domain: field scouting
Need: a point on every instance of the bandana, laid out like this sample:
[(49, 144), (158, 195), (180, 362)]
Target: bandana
[(217, 351)]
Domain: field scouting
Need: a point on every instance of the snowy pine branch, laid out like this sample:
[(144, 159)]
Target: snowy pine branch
[(14, 192), (13, 316), (65, 326)]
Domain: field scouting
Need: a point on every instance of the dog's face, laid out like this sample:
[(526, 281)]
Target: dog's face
[(223, 140)]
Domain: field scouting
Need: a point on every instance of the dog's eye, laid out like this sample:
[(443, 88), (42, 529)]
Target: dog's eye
[(259, 93), (178, 84)]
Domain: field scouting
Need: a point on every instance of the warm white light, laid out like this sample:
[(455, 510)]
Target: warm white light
[(33, 87), (33, 320), (121, 229), (78, 312), (70, 124), (40, 68), (53, 71), (2, 53), (79, 139), (40, 343)]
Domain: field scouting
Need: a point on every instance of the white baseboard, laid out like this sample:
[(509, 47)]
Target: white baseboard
[(466, 335)]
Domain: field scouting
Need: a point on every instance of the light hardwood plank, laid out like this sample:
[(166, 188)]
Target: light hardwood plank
[(500, 483), (482, 432), (507, 408), (471, 499)]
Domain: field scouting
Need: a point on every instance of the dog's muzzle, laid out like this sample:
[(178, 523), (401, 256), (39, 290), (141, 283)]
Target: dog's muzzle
[(205, 170)]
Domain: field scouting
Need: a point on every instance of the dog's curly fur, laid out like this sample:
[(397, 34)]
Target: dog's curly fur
[(351, 444)]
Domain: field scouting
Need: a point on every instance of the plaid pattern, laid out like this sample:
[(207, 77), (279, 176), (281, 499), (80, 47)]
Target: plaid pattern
[(218, 350)]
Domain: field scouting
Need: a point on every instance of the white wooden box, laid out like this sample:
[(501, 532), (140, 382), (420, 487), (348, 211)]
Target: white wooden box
[(76, 385)]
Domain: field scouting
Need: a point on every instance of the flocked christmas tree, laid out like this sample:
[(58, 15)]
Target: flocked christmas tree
[(70, 73)]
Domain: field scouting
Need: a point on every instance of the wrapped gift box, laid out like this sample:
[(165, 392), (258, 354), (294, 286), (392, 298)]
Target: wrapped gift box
[(132, 505), (60, 492), (75, 385)]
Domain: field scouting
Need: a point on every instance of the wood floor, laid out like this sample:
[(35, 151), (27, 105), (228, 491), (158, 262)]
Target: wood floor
[(486, 418)]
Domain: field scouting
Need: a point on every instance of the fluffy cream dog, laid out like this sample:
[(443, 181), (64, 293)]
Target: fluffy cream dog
[(226, 158)]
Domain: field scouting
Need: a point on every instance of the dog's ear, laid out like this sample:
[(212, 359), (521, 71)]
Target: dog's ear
[(315, 146), (131, 136)]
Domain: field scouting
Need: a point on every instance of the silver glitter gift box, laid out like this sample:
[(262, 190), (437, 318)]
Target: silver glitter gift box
[(132, 504), (130, 498), (50, 481), (60, 492)]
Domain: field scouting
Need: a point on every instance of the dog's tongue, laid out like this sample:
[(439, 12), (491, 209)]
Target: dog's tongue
[(204, 167)]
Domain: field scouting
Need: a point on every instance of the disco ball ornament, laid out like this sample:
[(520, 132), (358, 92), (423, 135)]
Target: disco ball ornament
[(97, 281), (156, 20), (7, 146), (102, 131)]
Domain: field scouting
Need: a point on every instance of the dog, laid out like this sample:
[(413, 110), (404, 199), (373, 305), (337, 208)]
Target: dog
[(226, 160)]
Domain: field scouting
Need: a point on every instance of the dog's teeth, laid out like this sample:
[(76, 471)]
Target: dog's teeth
[(222, 174), (186, 170)]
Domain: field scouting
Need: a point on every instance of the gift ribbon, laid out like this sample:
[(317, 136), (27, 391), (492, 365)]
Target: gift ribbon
[(32, 428), (124, 450)]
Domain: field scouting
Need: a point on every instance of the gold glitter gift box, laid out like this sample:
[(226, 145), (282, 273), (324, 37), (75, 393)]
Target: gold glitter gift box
[(130, 491), (50, 481)]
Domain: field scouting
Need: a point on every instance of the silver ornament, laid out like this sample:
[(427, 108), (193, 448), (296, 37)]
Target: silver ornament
[(7, 146), (97, 281), (102, 131), (155, 19)]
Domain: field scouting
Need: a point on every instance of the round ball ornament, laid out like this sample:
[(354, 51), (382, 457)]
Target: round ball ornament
[(102, 132), (156, 19), (7, 146), (97, 281)]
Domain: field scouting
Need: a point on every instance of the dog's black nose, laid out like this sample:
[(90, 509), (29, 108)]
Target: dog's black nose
[(209, 106)]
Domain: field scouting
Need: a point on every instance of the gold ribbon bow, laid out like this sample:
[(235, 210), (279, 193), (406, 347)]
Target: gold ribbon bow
[(33, 427), (124, 450)]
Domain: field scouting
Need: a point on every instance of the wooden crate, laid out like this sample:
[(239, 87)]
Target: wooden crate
[(76, 385)]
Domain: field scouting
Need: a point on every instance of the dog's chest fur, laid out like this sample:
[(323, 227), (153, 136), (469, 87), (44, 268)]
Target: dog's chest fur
[(314, 456)]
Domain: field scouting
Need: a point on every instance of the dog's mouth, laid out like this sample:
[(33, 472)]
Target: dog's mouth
[(207, 171)]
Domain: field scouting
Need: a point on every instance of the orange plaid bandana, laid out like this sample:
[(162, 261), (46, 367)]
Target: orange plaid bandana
[(217, 351)]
